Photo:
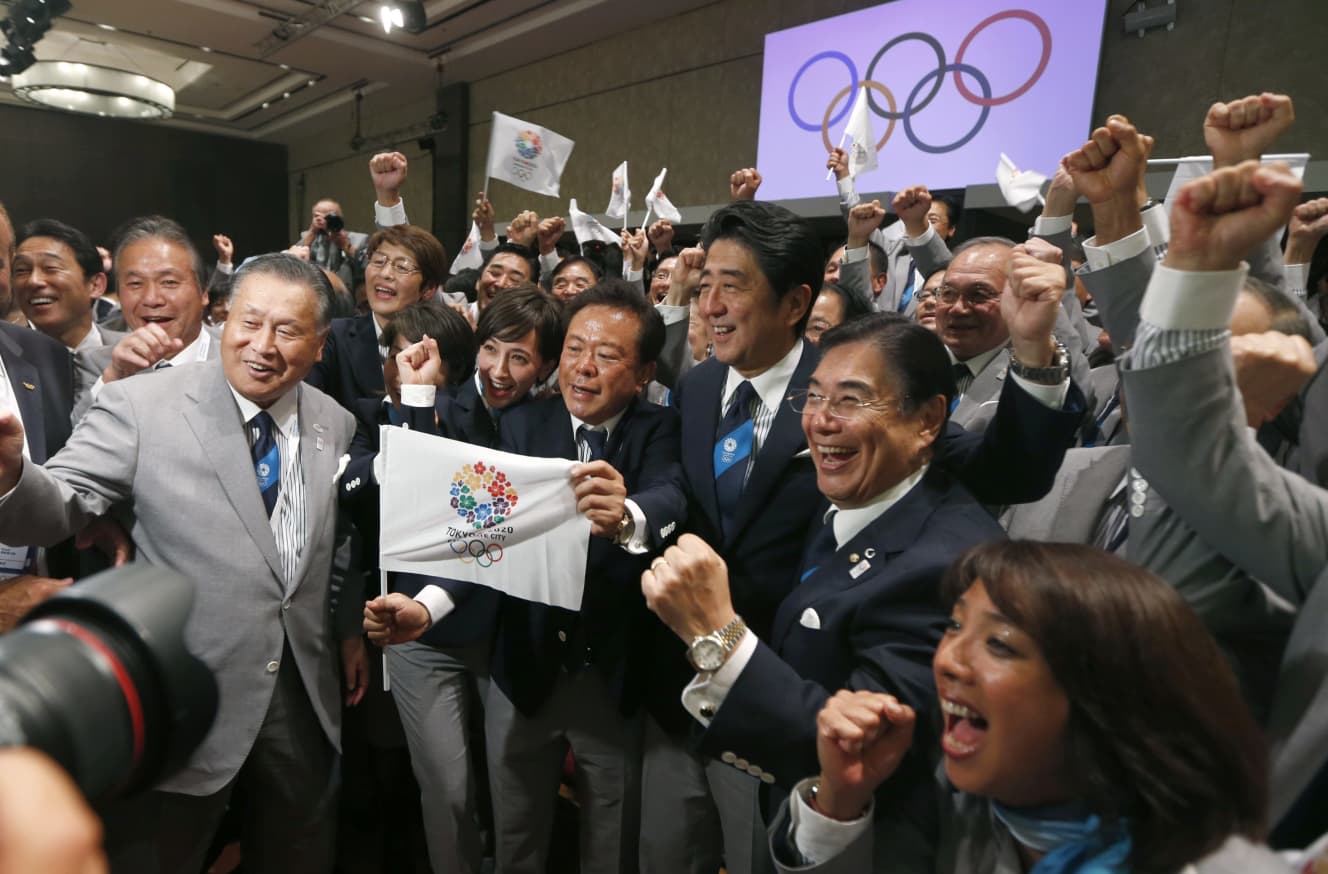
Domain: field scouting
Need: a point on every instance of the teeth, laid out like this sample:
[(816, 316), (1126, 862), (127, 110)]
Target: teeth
[(956, 746), (959, 710), (719, 330), (42, 300), (833, 450)]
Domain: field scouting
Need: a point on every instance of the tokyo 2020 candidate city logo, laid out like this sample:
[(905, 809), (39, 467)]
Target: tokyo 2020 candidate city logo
[(528, 145), (482, 495), (931, 83)]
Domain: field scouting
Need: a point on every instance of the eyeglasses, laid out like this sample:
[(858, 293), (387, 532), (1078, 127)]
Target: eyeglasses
[(974, 299), (925, 295), (810, 403), (400, 266)]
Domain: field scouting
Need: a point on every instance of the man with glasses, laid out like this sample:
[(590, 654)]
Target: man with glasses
[(406, 264)]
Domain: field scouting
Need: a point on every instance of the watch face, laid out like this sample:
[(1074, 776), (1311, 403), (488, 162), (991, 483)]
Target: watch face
[(707, 654)]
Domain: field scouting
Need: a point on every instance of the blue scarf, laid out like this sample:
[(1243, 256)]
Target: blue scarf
[(1072, 842)]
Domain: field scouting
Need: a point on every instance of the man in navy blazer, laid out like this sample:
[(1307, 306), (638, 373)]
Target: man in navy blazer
[(562, 677), (759, 268)]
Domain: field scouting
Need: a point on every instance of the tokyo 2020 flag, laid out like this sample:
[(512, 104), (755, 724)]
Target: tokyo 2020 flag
[(527, 155), (450, 509)]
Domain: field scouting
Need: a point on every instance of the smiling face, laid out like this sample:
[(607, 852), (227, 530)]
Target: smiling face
[(158, 285), (509, 369), (925, 314), (504, 270), (600, 369), (876, 447), (572, 280), (1006, 718), (972, 324), (272, 338), (827, 312), (751, 328), (387, 290), (659, 280), (55, 294)]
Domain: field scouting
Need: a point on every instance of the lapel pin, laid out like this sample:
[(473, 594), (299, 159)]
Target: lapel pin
[(318, 426), (870, 553), (853, 557), (859, 569), (30, 386), (318, 443)]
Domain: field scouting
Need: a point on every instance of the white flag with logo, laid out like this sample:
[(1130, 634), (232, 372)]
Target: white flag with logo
[(527, 155), (469, 256), (620, 201), (1021, 189), (861, 145), (658, 202), (455, 510), (586, 228)]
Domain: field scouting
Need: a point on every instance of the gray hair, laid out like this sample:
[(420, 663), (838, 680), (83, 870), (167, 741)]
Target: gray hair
[(290, 269), (158, 227)]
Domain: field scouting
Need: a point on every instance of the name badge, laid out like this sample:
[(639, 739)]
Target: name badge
[(16, 560)]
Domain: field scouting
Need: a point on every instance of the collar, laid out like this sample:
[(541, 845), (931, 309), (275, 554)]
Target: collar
[(285, 410), (977, 363), (606, 426), (91, 340), (378, 335), (771, 385), (850, 523), (195, 351), (479, 390)]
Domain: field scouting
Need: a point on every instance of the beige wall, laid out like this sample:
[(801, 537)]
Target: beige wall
[(684, 94)]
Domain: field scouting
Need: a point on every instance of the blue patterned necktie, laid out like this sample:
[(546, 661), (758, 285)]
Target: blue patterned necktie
[(733, 448), (907, 294), (594, 440), (267, 459)]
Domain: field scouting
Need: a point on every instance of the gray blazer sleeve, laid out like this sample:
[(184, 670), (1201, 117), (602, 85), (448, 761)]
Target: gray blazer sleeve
[(675, 357), (1190, 441), (1118, 291), (855, 278), (931, 256)]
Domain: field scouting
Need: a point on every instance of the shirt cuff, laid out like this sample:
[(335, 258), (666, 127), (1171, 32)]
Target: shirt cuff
[(817, 837), (1050, 396), (548, 263), (1127, 247), (632, 275), (1297, 278), (488, 245), (225, 267), (390, 216), (1192, 300), (853, 256), (638, 543), (704, 695), (673, 314), (96, 388), (1046, 225), (1157, 224), (436, 600), (418, 395), (921, 239)]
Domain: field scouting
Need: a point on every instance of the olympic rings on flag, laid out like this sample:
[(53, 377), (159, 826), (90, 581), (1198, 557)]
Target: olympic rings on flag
[(870, 85), (477, 551), (915, 103)]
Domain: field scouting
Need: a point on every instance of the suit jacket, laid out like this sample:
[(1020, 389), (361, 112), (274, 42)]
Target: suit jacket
[(174, 446), (350, 368), (1013, 460), (1070, 512), (900, 259), (869, 618), (41, 375), (534, 641), (95, 361)]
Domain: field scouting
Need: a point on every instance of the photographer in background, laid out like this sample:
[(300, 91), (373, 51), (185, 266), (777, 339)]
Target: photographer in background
[(331, 246)]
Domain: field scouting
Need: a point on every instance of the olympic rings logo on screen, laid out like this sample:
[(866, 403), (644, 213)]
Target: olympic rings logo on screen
[(916, 101), (477, 551)]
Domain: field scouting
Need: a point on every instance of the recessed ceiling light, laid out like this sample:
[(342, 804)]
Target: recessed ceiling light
[(286, 96), (366, 19), (106, 26), (266, 105), (312, 83), (205, 48), (285, 66)]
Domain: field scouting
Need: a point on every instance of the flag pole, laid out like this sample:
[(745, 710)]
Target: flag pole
[(829, 174)]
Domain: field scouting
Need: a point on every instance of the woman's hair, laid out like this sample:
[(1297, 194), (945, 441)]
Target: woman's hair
[(456, 341), (1158, 732)]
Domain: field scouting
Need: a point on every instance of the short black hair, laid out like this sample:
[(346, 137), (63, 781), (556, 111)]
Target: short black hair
[(288, 268), (456, 341), (915, 358), (621, 295), (953, 205), (159, 227), (514, 249), (855, 306), (85, 253), (783, 243), (519, 310), (596, 270)]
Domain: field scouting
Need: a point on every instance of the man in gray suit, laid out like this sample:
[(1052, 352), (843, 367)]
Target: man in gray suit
[(57, 278), (163, 298), (231, 469)]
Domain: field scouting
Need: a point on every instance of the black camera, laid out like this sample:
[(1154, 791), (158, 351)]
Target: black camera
[(335, 223), (98, 678)]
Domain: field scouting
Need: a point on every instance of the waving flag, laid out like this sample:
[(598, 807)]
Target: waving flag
[(527, 155), (586, 228), (658, 202), (861, 144), (469, 255), (621, 199)]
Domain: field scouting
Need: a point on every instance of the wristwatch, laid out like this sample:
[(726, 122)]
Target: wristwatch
[(626, 528), (1056, 374), (708, 652)]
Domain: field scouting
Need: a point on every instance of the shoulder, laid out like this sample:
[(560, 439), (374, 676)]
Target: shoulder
[(955, 515), (709, 374), (33, 342)]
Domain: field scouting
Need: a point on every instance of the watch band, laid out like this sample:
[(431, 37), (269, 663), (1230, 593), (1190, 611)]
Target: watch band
[(730, 634), (1053, 375)]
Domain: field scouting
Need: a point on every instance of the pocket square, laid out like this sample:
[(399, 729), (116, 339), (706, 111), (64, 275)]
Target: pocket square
[(342, 462), (809, 619)]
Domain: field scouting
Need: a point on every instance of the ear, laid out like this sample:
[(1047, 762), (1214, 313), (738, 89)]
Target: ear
[(796, 304), (97, 285), (428, 293), (645, 373), (878, 282), (931, 420)]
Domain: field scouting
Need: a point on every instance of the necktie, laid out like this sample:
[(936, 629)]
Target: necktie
[(267, 459), (161, 365), (962, 376), (594, 440), (907, 294), (733, 449), (1114, 527), (1095, 433), (821, 549)]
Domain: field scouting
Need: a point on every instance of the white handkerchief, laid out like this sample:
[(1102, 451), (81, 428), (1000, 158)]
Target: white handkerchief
[(809, 619)]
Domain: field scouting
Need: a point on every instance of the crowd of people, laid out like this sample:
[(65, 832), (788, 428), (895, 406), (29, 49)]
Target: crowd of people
[(914, 552)]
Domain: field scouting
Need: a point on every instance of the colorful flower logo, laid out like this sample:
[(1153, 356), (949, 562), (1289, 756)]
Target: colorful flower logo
[(528, 145), (482, 496)]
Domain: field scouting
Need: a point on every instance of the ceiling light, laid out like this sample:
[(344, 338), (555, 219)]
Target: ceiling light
[(285, 66), (409, 15), (205, 48), (92, 89), (390, 16), (107, 26)]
